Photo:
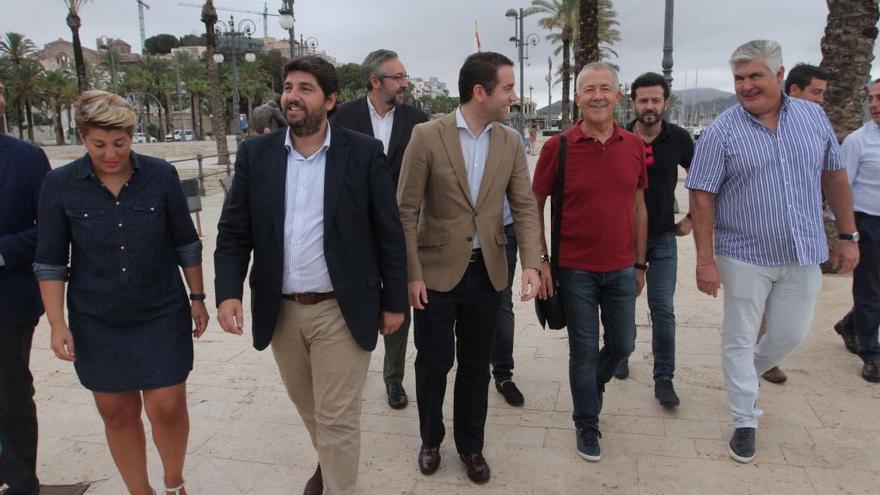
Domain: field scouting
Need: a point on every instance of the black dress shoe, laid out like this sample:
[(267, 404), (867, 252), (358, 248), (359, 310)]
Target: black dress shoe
[(622, 370), (849, 340), (477, 469), (665, 393), (429, 459), (871, 371), (510, 392), (396, 396), (315, 485)]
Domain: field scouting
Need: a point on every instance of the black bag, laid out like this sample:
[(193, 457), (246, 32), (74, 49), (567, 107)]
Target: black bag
[(550, 311)]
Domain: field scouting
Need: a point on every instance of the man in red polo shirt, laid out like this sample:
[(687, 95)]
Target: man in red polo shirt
[(602, 242)]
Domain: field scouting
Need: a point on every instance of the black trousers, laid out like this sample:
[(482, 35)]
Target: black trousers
[(464, 316), (18, 412)]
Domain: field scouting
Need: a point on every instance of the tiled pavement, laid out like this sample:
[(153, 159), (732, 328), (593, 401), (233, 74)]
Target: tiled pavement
[(819, 435)]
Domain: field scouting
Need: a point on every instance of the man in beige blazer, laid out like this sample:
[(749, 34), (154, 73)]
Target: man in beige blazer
[(456, 172)]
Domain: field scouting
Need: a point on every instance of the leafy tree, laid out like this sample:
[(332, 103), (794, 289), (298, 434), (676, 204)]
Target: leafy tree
[(160, 44), (15, 48), (24, 90), (58, 89), (192, 40), (351, 82)]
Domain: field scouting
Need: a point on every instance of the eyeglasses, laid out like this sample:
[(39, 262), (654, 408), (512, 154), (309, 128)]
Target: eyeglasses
[(649, 155), (399, 78)]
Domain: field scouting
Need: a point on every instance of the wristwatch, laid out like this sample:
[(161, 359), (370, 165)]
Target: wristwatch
[(545, 257), (641, 266), (854, 237), (197, 297)]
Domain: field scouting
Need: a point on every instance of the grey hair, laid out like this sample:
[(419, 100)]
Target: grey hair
[(373, 64), (767, 51), (603, 66)]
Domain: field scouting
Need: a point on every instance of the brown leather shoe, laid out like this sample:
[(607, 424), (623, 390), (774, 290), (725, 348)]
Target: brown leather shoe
[(315, 485), (775, 375), (429, 459), (477, 469)]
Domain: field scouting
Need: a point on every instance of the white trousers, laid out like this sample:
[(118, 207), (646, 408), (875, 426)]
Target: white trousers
[(788, 295)]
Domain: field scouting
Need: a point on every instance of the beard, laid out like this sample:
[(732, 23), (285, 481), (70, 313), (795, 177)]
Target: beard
[(310, 124), (392, 99), (649, 118)]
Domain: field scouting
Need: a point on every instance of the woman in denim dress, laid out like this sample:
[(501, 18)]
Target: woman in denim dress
[(115, 226)]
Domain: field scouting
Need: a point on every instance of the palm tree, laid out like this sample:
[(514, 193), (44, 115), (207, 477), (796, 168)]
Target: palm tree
[(24, 87), (137, 80), (59, 90), (209, 18), (560, 15), (155, 69), (562, 19), (253, 85), (194, 76), (847, 52), (15, 48), (74, 7)]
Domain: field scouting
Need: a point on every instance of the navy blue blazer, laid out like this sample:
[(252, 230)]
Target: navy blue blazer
[(355, 115), (363, 237), (22, 168)]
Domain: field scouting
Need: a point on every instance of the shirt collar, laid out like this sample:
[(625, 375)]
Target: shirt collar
[(288, 143), (462, 124), (576, 134), (83, 166), (374, 113), (664, 129)]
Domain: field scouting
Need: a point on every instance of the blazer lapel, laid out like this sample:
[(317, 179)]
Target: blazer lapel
[(277, 183), (363, 118), (493, 161), (334, 175), (400, 121), (452, 143)]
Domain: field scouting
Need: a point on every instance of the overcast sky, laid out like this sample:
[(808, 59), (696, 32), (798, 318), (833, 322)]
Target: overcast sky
[(434, 37)]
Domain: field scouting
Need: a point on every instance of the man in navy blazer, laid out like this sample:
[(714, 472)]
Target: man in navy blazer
[(22, 168), (316, 205), (383, 115)]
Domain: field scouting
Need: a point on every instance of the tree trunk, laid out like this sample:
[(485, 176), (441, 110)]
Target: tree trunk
[(30, 120), (149, 111), (169, 113), (59, 129), (20, 121), (192, 114), (74, 22), (250, 112), (588, 44), (565, 123), (847, 53), (209, 18)]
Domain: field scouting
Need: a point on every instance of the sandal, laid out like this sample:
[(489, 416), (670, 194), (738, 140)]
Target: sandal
[(176, 490)]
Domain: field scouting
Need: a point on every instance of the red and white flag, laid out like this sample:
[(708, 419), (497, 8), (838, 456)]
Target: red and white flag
[(477, 45)]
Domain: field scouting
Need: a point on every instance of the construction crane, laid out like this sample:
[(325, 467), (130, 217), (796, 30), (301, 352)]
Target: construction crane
[(265, 13), (141, 6)]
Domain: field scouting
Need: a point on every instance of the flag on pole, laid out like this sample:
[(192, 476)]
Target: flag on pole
[(477, 45)]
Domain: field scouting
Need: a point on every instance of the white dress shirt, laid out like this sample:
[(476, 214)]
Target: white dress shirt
[(474, 150), (861, 152), (381, 125), (305, 269)]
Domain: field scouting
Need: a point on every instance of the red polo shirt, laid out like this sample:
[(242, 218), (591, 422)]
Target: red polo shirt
[(600, 182)]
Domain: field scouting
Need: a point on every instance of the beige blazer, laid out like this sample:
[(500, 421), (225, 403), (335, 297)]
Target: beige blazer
[(439, 218)]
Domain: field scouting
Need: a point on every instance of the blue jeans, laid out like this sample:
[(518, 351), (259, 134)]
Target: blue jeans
[(502, 351), (662, 256), (584, 294)]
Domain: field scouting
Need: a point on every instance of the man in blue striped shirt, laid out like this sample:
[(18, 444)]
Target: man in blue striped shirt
[(756, 180)]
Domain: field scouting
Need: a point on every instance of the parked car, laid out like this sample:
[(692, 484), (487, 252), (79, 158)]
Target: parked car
[(186, 135), (170, 137), (140, 137)]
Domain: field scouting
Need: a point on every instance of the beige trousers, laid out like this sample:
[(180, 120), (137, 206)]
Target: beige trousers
[(324, 370)]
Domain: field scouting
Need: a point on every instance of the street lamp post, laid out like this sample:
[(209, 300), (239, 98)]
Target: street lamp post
[(234, 39), (287, 21), (549, 80), (307, 46), (667, 41), (521, 41)]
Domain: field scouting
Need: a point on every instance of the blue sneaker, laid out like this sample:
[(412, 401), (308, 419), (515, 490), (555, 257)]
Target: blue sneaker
[(588, 444), (742, 445)]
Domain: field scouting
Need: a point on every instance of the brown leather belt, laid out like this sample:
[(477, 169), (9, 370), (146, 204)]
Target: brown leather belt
[(309, 297)]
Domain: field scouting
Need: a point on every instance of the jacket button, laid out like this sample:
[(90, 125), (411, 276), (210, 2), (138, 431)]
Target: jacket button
[(470, 239)]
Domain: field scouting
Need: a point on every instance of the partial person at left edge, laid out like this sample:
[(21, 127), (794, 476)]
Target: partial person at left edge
[(115, 226), (22, 168)]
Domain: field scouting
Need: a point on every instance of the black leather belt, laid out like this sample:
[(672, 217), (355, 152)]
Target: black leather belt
[(476, 255), (309, 297)]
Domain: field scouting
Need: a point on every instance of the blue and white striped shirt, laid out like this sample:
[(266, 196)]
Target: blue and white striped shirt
[(768, 204)]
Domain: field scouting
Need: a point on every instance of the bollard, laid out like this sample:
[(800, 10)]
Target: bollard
[(201, 175)]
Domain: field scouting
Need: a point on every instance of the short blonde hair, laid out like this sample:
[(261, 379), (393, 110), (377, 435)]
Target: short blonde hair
[(103, 110)]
